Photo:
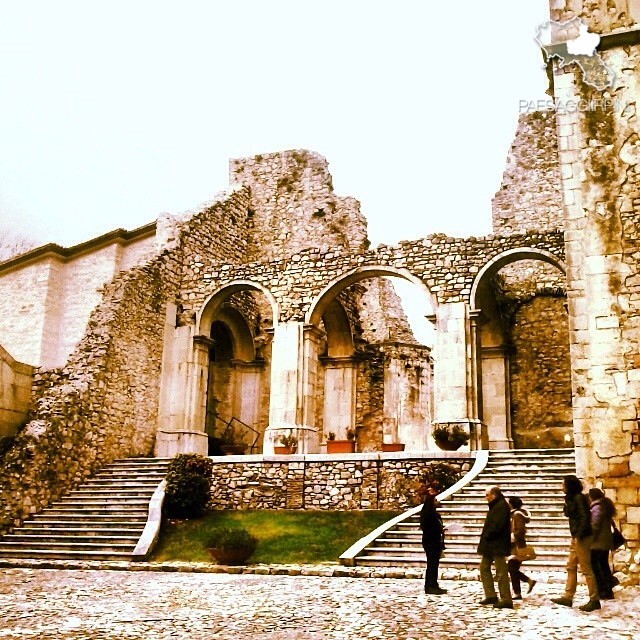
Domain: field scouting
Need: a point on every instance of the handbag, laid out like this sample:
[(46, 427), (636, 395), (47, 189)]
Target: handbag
[(618, 538), (525, 553)]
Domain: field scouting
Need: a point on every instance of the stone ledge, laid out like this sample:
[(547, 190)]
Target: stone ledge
[(321, 570)]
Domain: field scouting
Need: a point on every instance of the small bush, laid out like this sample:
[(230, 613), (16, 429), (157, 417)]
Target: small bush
[(188, 486), (232, 538), (440, 476)]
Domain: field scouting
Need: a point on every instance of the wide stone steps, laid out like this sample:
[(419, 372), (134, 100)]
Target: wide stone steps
[(101, 520), (534, 475)]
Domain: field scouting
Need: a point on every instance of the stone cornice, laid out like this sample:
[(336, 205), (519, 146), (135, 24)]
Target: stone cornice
[(64, 254)]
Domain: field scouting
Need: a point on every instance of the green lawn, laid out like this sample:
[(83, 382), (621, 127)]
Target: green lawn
[(308, 537)]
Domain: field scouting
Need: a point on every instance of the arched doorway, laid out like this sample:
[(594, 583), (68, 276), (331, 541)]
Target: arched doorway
[(375, 376), (236, 325), (522, 350)]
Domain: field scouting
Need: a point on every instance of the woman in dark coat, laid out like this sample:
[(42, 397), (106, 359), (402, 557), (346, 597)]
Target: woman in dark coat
[(520, 517), (602, 513), (432, 540)]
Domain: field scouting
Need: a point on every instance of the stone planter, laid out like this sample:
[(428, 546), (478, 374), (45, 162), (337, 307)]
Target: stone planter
[(341, 446), (392, 446), (230, 557), (449, 445)]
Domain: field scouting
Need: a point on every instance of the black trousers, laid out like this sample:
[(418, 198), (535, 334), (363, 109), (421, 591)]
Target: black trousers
[(433, 562), (602, 571), (516, 576)]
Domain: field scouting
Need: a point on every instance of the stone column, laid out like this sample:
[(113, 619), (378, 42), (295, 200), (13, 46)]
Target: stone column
[(183, 390), (496, 410), (452, 374), (294, 370), (339, 413)]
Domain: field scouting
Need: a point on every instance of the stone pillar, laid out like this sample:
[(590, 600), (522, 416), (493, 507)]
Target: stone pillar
[(599, 161), (339, 413), (496, 409), (294, 371), (454, 385), (183, 390)]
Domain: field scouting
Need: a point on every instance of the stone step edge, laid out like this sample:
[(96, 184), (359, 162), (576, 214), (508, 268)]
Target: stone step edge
[(333, 570)]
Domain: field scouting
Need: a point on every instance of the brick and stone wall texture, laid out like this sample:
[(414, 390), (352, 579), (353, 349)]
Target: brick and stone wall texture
[(361, 482), (530, 196), (602, 16), (540, 372)]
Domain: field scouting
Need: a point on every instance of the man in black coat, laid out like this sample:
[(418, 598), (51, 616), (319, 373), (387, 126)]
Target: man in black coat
[(432, 540), (494, 547)]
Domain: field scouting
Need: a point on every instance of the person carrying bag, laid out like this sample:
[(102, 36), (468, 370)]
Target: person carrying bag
[(520, 550)]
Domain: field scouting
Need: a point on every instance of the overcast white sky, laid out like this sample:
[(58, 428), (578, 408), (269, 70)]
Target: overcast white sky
[(114, 112)]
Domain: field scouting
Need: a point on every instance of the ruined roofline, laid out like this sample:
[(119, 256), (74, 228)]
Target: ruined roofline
[(122, 236)]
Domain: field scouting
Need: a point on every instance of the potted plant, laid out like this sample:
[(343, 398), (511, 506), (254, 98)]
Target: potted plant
[(288, 444), (341, 446), (231, 545), (450, 438)]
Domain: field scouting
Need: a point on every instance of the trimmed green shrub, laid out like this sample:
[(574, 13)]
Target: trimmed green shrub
[(231, 545), (188, 486)]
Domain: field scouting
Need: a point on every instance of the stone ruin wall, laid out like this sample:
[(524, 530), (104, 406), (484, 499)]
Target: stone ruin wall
[(103, 404), (363, 482), (530, 196), (602, 16)]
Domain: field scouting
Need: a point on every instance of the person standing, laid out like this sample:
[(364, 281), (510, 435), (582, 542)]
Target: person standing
[(519, 519), (432, 540), (576, 508), (602, 513), (494, 547)]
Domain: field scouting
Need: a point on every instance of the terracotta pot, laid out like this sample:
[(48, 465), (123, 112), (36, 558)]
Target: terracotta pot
[(341, 446), (230, 556), (283, 451), (392, 446)]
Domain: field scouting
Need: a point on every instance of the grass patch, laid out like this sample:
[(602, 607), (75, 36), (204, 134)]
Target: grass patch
[(307, 537)]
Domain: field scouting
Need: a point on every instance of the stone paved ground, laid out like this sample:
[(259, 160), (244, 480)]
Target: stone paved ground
[(123, 605)]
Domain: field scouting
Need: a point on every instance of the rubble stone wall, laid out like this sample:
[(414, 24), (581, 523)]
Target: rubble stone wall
[(530, 196), (361, 482)]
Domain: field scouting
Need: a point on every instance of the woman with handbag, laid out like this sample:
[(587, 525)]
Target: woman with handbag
[(520, 550), (602, 513)]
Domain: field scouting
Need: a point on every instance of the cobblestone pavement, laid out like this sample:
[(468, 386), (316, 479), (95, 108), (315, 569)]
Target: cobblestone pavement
[(122, 605)]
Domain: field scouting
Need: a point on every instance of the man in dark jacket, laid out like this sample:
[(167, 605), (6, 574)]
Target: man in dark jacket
[(576, 508), (432, 540), (494, 547)]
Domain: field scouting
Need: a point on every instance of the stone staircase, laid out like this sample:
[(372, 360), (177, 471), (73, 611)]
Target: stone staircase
[(535, 475), (102, 520)]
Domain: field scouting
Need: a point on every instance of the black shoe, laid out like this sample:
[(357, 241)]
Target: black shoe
[(606, 595), (565, 602), (592, 605), (492, 600), (503, 604), (517, 596), (435, 591), (532, 583)]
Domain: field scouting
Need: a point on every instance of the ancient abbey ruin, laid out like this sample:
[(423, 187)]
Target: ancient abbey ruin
[(265, 314)]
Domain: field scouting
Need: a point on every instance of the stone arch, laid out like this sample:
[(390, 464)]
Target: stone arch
[(205, 315), (236, 396), (382, 388), (512, 348), (508, 257), (331, 290)]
